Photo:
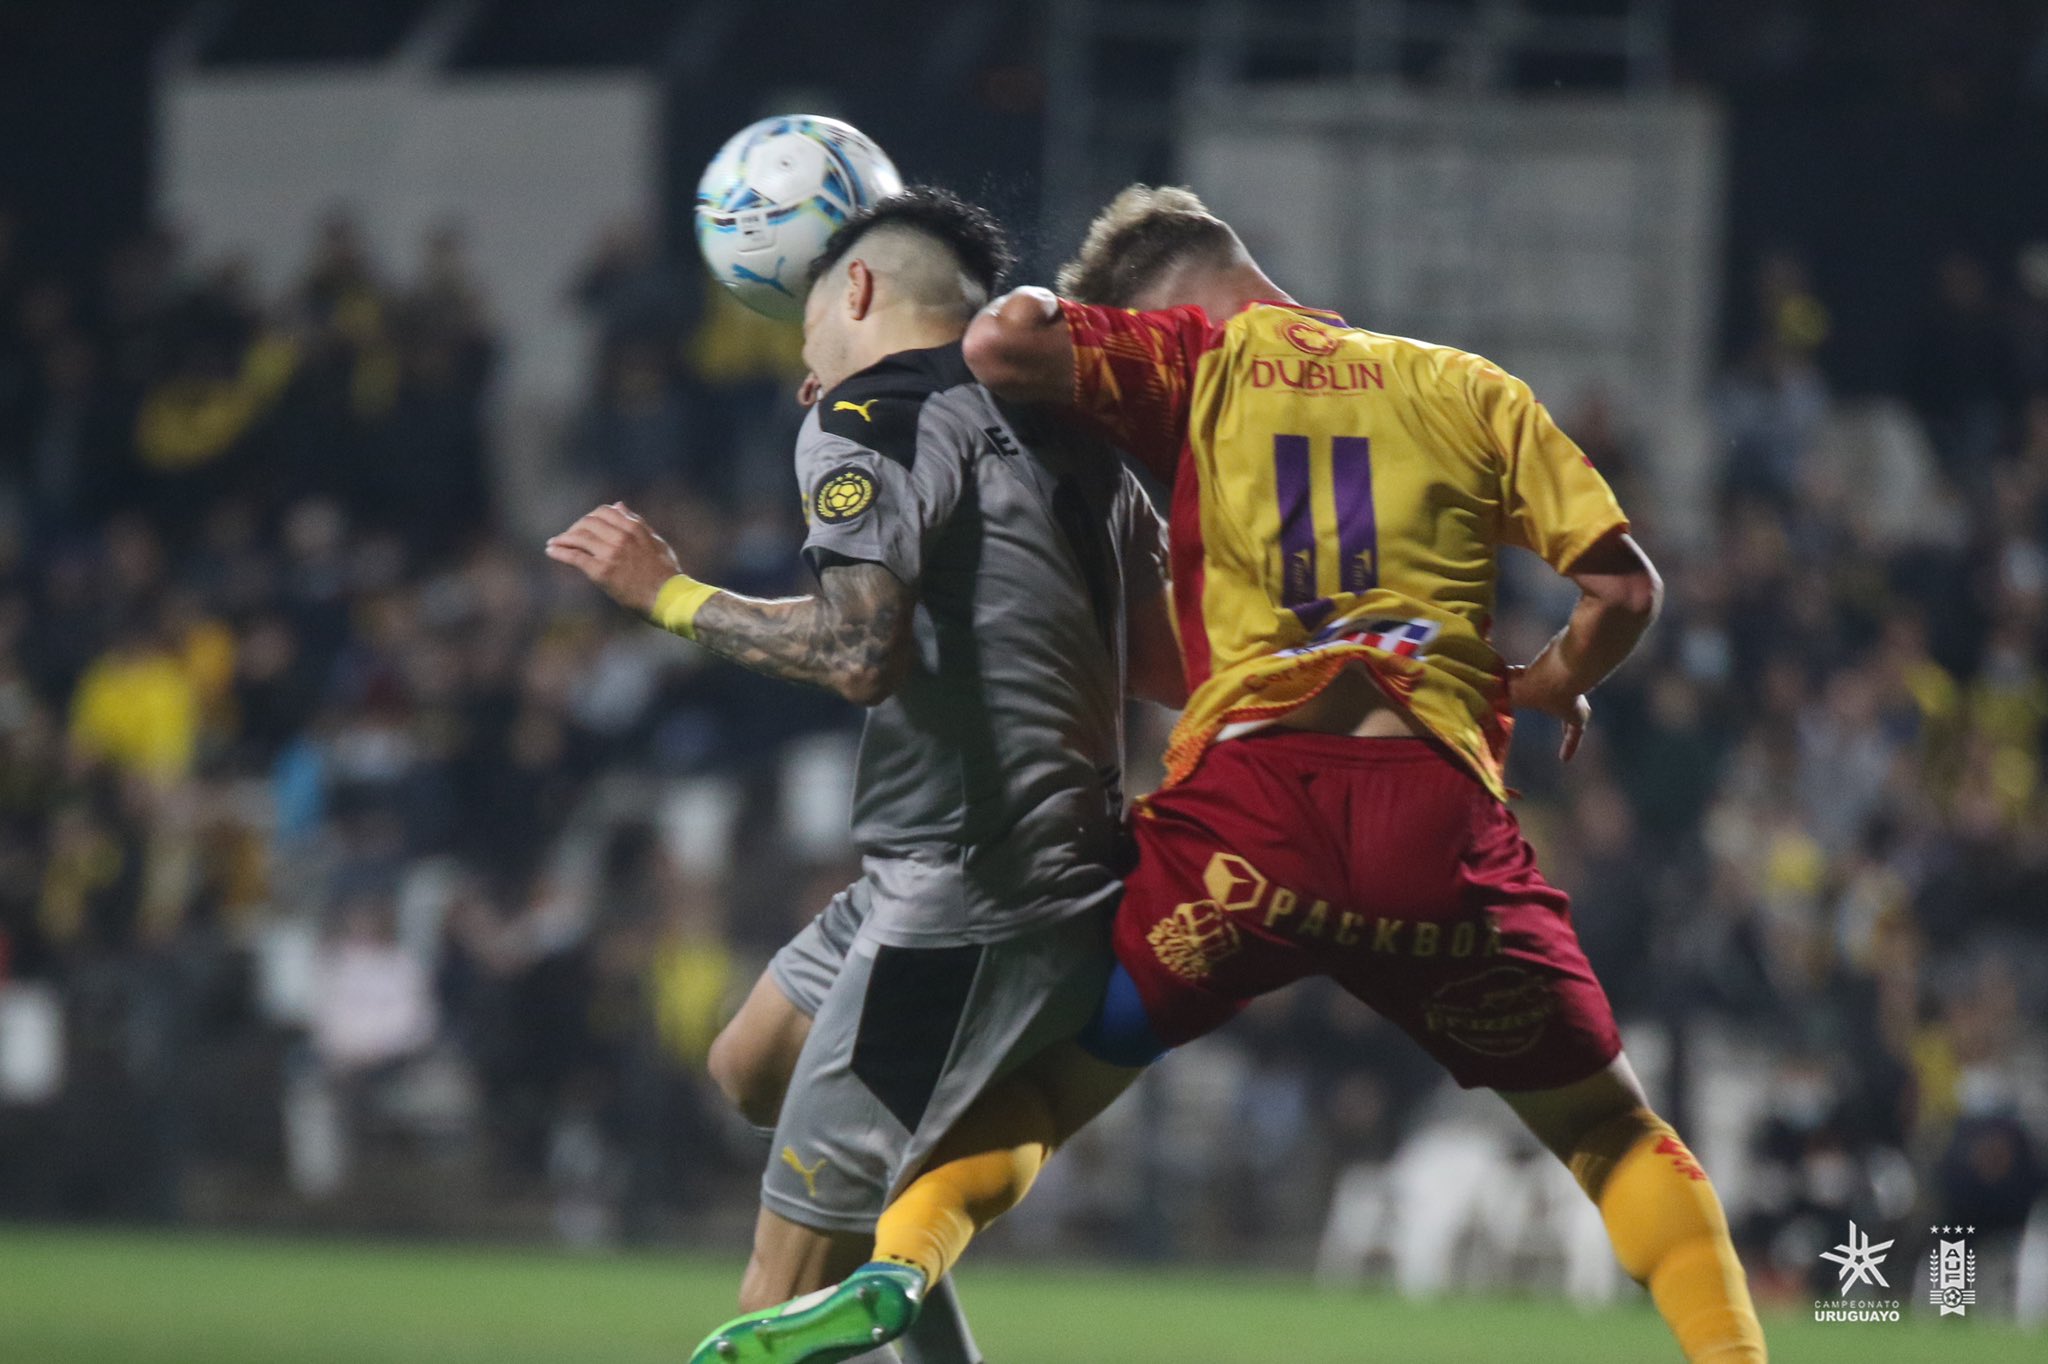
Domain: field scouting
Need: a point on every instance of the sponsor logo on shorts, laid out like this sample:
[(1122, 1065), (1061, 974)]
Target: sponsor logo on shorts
[(809, 1172), (1232, 882), (1233, 886), (1501, 1012), (1192, 939)]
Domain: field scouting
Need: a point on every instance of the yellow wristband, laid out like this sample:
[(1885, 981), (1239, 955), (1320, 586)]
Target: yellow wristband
[(676, 605)]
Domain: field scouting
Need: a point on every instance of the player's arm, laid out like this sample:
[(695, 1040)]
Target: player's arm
[(1620, 595), (1021, 349), (853, 637), (1557, 505), (1127, 374)]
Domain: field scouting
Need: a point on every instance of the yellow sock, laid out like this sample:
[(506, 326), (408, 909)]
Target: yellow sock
[(1671, 1236), (981, 1170)]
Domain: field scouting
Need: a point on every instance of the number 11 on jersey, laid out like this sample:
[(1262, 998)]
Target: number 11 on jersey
[(1345, 489)]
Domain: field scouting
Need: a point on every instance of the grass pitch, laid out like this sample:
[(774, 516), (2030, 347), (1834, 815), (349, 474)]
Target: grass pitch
[(69, 1297)]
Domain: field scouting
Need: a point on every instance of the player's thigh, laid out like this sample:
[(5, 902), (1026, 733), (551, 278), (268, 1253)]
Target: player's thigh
[(836, 1143), (754, 1055), (1562, 1116), (1487, 975), (790, 1259), (1076, 1087), (1031, 995), (1046, 1101), (1232, 896)]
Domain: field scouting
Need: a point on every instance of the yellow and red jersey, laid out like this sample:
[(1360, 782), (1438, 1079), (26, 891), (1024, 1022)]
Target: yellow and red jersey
[(1339, 498)]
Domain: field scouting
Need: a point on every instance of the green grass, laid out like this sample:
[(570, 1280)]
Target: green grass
[(70, 1297)]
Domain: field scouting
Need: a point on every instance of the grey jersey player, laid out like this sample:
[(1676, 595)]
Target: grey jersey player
[(980, 574), (988, 796)]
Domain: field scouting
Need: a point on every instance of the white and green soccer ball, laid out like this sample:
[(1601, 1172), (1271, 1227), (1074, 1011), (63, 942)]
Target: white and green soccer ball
[(772, 197)]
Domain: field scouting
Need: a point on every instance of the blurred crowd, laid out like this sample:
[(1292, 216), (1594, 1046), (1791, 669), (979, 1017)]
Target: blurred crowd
[(271, 659), (333, 818)]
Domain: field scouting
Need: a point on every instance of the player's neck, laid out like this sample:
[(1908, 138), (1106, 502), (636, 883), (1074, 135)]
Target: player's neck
[(901, 329), (1227, 292), (1248, 284)]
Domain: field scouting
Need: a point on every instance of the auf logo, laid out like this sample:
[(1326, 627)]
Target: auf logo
[(810, 1174), (1859, 1259), (1952, 1272)]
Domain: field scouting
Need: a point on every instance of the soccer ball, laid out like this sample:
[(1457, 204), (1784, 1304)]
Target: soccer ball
[(774, 194)]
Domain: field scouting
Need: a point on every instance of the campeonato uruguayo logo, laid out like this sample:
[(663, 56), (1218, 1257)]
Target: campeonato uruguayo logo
[(1859, 1262)]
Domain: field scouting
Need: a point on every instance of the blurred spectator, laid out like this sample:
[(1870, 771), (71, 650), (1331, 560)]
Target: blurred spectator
[(1772, 405), (1963, 368), (373, 1016), (632, 294), (425, 473), (372, 1006), (635, 431), (136, 706), (742, 362)]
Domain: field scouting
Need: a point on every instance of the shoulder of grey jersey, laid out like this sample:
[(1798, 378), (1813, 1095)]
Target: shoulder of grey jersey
[(880, 463), (882, 407)]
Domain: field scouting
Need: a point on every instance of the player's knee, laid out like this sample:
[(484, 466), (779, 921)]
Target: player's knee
[(747, 1078)]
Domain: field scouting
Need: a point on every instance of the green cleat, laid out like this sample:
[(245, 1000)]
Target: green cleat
[(876, 1304)]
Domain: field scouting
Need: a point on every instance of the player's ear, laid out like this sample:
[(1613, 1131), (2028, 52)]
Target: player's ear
[(860, 289)]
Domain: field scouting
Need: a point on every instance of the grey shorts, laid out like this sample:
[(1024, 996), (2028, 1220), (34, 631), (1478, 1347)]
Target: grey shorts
[(903, 1040), (809, 962)]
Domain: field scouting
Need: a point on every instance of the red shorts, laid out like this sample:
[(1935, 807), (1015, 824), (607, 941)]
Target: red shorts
[(1381, 864)]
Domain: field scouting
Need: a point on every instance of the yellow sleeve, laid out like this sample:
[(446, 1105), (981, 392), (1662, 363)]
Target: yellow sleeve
[(1553, 500)]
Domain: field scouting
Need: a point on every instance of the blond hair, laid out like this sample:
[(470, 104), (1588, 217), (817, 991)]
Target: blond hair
[(1132, 243)]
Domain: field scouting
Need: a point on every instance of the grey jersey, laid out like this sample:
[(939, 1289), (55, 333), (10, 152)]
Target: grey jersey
[(988, 797)]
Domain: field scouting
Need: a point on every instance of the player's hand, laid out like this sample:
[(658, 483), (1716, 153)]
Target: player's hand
[(620, 553), (809, 391), (1527, 692)]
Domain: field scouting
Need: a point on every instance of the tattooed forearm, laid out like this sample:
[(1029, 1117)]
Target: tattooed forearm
[(852, 638)]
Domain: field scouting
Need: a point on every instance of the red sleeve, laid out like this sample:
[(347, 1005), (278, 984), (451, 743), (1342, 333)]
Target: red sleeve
[(1133, 373)]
